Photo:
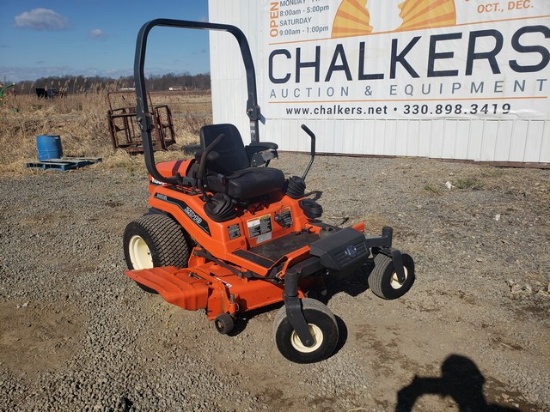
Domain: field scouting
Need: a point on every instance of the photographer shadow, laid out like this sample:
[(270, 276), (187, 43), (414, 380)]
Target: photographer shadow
[(460, 379)]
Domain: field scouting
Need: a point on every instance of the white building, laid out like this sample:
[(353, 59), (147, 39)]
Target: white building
[(460, 80)]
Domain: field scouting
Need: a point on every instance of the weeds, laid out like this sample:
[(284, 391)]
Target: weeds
[(194, 121), (468, 183), (459, 183), (430, 188), (81, 121)]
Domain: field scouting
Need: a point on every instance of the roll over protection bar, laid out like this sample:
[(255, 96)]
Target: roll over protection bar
[(142, 110)]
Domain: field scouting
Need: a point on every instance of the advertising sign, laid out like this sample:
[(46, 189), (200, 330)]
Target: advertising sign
[(388, 59)]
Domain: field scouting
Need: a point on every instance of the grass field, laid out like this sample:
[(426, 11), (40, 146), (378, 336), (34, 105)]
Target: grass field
[(82, 123)]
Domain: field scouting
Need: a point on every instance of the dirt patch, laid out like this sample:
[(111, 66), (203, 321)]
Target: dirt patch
[(472, 334), (35, 339)]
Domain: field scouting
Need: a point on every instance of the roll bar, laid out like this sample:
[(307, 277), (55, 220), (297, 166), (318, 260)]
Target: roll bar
[(142, 110)]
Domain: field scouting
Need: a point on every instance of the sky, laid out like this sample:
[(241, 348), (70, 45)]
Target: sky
[(97, 38)]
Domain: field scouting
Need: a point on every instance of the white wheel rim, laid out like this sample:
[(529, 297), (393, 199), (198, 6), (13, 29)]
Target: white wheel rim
[(394, 281), (317, 334), (140, 254)]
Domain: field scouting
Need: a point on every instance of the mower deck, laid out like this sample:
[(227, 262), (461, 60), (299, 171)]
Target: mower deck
[(209, 286), (188, 288)]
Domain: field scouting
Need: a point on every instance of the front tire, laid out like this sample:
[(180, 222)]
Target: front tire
[(383, 280), (322, 326), (155, 240), (224, 323)]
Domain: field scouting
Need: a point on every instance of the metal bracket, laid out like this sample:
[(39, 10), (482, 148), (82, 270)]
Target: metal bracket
[(293, 307), (398, 264), (294, 313), (384, 241)]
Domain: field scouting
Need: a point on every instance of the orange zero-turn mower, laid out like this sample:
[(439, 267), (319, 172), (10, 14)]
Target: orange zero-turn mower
[(228, 234)]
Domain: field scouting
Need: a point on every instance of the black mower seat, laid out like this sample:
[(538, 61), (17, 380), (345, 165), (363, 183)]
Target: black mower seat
[(228, 166)]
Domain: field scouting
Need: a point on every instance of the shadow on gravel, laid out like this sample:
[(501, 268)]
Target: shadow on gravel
[(343, 329), (353, 285), (460, 379), (242, 320)]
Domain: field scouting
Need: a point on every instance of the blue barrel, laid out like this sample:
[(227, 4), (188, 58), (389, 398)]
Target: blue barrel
[(49, 147)]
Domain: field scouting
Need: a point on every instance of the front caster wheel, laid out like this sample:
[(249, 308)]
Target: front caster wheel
[(384, 282), (322, 326), (224, 323)]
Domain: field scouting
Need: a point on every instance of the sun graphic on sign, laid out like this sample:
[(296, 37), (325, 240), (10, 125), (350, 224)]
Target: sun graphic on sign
[(360, 17)]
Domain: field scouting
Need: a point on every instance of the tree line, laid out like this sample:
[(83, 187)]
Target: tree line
[(94, 84)]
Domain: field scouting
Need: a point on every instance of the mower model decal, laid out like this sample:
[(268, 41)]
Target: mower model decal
[(260, 228), (199, 221)]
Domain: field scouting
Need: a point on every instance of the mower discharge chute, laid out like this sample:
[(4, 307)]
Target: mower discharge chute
[(228, 234)]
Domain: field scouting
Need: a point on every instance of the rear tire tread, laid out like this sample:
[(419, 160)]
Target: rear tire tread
[(169, 245)]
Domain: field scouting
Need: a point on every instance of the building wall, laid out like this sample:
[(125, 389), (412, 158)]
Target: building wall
[(464, 80)]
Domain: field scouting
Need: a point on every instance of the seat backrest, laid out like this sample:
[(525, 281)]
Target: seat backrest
[(232, 154)]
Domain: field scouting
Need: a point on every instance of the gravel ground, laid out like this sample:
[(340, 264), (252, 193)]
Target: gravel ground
[(472, 334)]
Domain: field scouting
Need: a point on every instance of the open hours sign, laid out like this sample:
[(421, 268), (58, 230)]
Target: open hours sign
[(395, 59)]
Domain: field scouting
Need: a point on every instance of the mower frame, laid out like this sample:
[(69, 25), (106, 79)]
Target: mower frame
[(269, 247)]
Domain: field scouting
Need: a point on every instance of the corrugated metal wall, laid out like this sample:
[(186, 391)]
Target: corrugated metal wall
[(492, 139)]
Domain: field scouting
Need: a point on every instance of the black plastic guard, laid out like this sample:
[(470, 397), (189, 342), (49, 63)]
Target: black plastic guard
[(343, 251)]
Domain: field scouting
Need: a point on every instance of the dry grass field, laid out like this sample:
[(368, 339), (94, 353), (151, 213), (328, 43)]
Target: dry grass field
[(81, 122)]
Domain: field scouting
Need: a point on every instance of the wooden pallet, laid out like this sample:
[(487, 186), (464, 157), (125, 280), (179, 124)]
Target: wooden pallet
[(64, 163)]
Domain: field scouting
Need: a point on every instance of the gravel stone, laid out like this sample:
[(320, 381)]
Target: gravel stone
[(77, 335)]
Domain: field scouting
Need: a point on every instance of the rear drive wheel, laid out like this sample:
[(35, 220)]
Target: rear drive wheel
[(322, 326), (154, 240), (383, 280)]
